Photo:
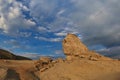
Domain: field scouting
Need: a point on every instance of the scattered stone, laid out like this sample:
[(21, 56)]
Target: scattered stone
[(60, 60), (93, 58), (82, 56), (43, 64), (45, 60)]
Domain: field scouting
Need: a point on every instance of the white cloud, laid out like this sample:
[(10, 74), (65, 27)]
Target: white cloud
[(61, 34), (33, 55), (48, 39), (42, 29), (60, 12), (96, 21), (11, 17), (30, 55), (59, 52)]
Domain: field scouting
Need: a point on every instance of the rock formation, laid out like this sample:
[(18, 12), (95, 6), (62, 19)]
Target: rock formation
[(74, 48), (43, 63), (46, 60), (72, 45)]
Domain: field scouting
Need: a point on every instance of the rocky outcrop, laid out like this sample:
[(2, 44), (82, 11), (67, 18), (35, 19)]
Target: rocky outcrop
[(46, 60), (43, 63), (74, 48), (72, 45)]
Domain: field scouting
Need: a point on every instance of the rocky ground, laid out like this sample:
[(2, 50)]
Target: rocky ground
[(83, 70), (17, 70), (80, 64), (61, 70)]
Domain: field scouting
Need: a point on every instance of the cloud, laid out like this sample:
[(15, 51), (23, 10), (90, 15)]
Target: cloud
[(100, 24), (31, 55), (61, 34), (42, 29), (14, 44), (96, 21), (113, 52), (65, 32), (60, 12), (12, 18), (48, 39), (59, 52), (25, 34)]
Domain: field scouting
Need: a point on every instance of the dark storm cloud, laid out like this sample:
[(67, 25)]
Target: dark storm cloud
[(96, 21), (113, 52), (101, 24)]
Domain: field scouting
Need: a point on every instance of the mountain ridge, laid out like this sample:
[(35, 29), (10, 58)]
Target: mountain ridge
[(4, 54)]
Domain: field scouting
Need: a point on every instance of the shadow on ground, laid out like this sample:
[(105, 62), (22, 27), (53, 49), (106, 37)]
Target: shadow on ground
[(12, 75)]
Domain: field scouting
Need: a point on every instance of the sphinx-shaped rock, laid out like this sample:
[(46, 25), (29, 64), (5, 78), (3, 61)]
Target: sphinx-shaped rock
[(72, 45), (74, 48)]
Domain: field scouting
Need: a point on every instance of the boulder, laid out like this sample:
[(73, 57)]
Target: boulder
[(59, 60), (45, 59), (43, 63)]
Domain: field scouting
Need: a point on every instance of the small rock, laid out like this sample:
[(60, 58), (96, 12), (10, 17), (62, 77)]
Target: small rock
[(60, 60), (69, 58), (46, 60)]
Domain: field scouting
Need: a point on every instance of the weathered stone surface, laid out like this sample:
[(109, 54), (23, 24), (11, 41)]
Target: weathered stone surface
[(72, 45), (60, 60), (45, 59), (74, 48), (43, 63)]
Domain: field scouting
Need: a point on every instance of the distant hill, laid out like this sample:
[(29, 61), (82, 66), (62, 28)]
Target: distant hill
[(4, 54)]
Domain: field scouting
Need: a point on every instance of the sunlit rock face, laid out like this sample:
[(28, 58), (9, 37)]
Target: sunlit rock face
[(72, 45), (74, 48)]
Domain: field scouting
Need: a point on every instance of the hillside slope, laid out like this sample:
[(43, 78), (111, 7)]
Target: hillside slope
[(8, 55)]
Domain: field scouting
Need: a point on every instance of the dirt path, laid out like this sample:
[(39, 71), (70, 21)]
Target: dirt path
[(19, 70), (12, 75), (27, 75)]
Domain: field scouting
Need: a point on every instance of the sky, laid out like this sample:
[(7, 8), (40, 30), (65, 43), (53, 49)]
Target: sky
[(36, 28)]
